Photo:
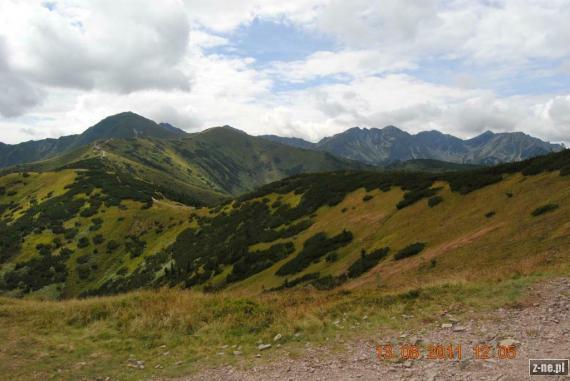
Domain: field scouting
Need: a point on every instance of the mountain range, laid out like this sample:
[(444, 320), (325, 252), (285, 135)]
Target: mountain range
[(390, 144), (197, 169), (372, 146), (221, 162)]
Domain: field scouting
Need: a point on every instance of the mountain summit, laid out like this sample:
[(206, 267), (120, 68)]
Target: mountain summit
[(126, 125)]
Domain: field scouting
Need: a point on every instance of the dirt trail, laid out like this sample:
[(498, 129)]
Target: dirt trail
[(539, 328)]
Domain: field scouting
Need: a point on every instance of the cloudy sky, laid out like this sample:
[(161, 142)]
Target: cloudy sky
[(306, 68)]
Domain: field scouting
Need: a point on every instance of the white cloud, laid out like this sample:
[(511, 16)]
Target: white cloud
[(354, 63), (226, 15), (63, 69), (121, 46), (17, 94), (201, 39)]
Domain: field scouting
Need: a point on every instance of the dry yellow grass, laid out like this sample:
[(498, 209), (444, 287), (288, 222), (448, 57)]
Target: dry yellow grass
[(183, 331)]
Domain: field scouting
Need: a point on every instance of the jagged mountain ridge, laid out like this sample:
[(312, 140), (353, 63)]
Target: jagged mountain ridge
[(390, 144)]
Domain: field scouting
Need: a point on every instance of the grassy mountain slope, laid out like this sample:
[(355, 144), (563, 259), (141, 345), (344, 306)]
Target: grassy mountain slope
[(80, 227), (126, 125), (200, 168), (327, 230)]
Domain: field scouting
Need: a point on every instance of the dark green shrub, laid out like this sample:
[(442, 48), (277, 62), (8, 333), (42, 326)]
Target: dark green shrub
[(134, 246), (83, 242), (415, 195), (411, 250), (98, 239), (331, 257), (329, 282), (490, 214), (112, 246), (96, 224), (44, 249), (544, 209), (69, 233), (433, 201), (314, 248), (257, 261), (366, 262), (292, 283), (368, 197)]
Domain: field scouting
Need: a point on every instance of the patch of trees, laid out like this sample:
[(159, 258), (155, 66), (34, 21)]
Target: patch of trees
[(366, 262), (292, 283), (328, 282), (143, 276), (414, 195), (52, 213), (91, 210), (331, 257), (313, 249), (83, 242), (544, 209), (224, 240), (135, 246), (70, 233), (258, 261), (39, 271), (96, 224), (410, 250)]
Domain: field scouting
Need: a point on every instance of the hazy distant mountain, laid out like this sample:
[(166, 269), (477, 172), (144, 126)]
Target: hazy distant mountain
[(121, 126), (390, 144)]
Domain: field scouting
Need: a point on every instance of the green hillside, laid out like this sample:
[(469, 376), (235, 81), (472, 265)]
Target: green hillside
[(196, 169), (84, 232), (126, 125)]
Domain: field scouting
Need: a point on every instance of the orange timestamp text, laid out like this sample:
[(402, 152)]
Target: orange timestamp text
[(438, 351)]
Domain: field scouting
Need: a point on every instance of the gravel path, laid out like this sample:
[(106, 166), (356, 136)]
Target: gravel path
[(539, 328)]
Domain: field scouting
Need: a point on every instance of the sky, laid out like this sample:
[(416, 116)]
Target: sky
[(304, 68)]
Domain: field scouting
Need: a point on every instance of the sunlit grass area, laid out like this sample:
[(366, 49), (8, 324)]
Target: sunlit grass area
[(176, 332)]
